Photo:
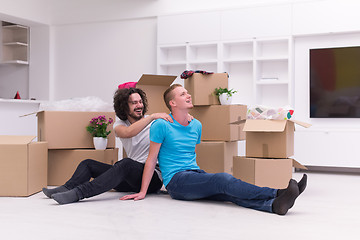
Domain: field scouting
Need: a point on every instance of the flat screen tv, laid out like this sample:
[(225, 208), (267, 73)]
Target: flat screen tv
[(335, 82)]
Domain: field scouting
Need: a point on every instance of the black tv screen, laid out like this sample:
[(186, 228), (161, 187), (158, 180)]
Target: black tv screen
[(335, 82)]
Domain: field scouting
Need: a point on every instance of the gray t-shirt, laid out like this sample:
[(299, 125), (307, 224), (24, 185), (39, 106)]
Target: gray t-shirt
[(137, 147)]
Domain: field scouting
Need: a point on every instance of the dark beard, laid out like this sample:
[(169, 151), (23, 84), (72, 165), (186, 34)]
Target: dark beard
[(136, 117)]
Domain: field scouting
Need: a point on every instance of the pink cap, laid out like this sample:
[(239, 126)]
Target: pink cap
[(128, 85)]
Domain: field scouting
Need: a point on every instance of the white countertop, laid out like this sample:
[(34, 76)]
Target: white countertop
[(3, 100)]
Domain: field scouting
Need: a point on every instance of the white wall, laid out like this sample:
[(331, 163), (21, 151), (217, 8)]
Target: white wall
[(16, 75), (25, 11), (92, 59), (330, 141), (80, 11)]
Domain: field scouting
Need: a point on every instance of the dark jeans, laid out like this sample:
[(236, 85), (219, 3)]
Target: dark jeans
[(197, 184), (124, 176)]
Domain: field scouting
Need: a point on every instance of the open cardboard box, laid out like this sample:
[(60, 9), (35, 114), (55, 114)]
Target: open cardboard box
[(270, 138), (202, 87), (154, 86), (67, 129), (23, 165), (265, 172), (63, 162)]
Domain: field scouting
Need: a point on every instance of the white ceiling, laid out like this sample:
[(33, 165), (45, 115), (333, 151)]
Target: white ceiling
[(58, 12)]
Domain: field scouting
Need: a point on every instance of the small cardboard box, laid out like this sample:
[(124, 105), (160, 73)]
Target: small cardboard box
[(265, 172), (67, 129), (63, 162), (154, 86), (202, 86), (216, 120), (216, 157), (270, 138), (23, 166)]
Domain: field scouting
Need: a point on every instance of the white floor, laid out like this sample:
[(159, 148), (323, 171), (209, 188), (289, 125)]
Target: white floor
[(328, 209)]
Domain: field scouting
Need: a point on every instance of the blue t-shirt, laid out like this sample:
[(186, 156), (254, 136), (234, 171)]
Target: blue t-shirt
[(177, 152)]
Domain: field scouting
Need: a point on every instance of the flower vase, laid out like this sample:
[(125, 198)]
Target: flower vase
[(225, 99), (100, 143)]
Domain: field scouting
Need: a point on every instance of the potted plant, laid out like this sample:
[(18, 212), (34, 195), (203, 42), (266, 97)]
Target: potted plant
[(98, 129), (224, 95)]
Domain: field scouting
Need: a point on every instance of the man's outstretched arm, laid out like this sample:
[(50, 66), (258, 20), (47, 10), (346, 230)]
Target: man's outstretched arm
[(138, 126), (148, 172)]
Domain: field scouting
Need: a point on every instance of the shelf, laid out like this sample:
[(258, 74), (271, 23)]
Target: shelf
[(271, 82), (268, 48), (15, 44), (172, 53), (15, 27), (236, 50), (3, 100), (173, 63), (273, 58), (15, 62), (205, 66), (203, 52), (246, 61), (209, 61), (238, 60)]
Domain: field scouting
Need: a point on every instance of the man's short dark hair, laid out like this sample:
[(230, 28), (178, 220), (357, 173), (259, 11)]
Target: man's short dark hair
[(168, 95), (121, 98)]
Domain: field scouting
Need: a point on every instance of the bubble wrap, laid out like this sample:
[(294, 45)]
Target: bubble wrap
[(264, 112)]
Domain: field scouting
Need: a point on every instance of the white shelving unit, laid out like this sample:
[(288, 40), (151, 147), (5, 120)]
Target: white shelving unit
[(15, 39), (259, 69)]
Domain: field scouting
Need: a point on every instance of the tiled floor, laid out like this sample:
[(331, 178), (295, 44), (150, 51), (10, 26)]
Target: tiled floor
[(328, 209)]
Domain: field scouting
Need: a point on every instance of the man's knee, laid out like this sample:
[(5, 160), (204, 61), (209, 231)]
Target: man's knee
[(125, 163), (224, 176), (87, 162)]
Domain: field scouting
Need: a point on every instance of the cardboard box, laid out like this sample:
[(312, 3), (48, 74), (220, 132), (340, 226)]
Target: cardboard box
[(270, 138), (67, 130), (264, 172), (216, 157), (23, 166), (202, 86), (154, 86), (216, 120), (63, 162)]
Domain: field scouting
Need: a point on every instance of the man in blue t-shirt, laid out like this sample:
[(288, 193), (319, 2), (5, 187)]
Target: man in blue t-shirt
[(174, 143)]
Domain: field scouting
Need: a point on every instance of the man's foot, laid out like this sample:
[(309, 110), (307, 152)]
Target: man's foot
[(301, 185), (50, 192), (286, 200), (66, 197)]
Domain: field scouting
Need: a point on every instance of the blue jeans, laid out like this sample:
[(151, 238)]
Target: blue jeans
[(197, 184), (123, 176)]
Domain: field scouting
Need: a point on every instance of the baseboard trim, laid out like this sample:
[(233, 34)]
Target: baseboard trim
[(329, 169)]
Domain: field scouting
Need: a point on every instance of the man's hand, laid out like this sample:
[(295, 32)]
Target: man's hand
[(136, 196), (190, 118), (164, 116)]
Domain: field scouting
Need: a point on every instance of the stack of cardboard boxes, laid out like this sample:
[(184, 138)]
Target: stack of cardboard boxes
[(219, 138), (28, 166), (69, 143), (269, 144)]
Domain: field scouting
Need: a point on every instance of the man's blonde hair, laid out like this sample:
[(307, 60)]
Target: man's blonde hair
[(168, 95)]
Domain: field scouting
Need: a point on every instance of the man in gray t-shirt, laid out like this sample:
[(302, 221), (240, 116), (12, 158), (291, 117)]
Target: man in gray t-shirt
[(132, 128)]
